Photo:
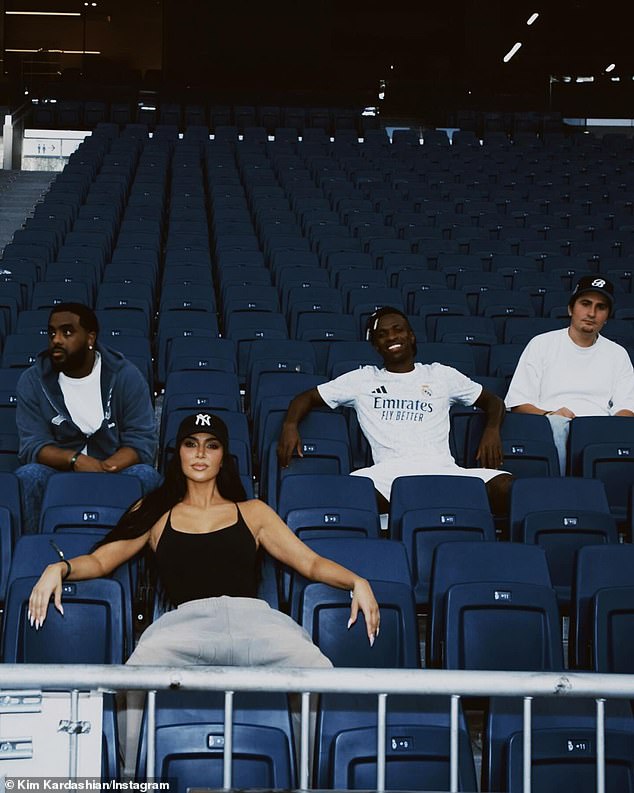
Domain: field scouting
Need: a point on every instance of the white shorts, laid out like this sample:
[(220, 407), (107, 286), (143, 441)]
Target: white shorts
[(383, 474)]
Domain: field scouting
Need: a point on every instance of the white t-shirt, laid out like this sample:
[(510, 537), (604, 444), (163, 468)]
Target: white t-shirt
[(554, 372), (403, 415), (82, 397)]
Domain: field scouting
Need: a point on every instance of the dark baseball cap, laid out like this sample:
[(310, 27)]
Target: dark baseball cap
[(593, 283), (203, 422)]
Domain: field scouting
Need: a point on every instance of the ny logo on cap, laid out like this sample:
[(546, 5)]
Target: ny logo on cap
[(598, 282), (203, 420)]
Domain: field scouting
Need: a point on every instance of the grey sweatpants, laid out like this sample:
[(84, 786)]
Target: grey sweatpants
[(222, 631)]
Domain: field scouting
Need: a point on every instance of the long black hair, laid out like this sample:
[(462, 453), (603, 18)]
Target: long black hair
[(142, 515)]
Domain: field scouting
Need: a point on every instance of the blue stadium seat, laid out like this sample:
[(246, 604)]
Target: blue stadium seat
[(113, 296), (247, 327), (319, 299), (209, 353), (138, 351), (325, 448), (33, 552), (528, 446), (292, 278), (47, 294), (329, 505), (86, 500), (189, 740), (343, 356), (123, 322), (503, 360), (417, 744), (324, 612), (437, 302), (511, 626), (373, 558), (275, 391), (459, 356), (10, 499), (562, 515), (563, 745), (189, 296), (75, 271), (613, 619), (238, 298), (602, 447), (20, 350), (92, 630), (597, 567), (245, 274), (520, 330), (6, 549), (9, 439), (498, 564), (428, 510), (180, 323), (477, 332), (320, 455), (453, 264), (280, 356), (321, 329)]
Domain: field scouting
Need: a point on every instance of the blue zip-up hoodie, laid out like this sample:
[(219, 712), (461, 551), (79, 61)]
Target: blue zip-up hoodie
[(43, 419)]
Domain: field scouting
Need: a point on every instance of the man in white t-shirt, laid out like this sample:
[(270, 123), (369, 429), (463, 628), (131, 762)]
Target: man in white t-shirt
[(575, 371), (403, 411)]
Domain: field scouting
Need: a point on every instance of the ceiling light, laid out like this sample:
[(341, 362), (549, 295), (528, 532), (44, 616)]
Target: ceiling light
[(512, 51)]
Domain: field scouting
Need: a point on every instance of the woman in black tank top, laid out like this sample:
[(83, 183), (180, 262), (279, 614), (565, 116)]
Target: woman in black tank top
[(205, 535)]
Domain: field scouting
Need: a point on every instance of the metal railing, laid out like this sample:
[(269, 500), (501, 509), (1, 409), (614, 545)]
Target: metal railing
[(452, 683)]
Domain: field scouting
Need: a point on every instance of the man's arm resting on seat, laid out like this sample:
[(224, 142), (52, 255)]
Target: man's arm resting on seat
[(289, 440)]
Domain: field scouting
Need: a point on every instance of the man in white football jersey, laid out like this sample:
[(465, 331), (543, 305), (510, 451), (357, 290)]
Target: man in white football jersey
[(403, 411)]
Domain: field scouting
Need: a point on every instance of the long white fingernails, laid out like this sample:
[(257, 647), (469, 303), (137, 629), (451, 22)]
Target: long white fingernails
[(372, 640), (349, 623)]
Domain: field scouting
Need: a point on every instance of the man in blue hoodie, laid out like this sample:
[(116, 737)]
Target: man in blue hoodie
[(81, 407)]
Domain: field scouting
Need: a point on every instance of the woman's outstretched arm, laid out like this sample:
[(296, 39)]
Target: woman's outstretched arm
[(279, 541), (101, 562)]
